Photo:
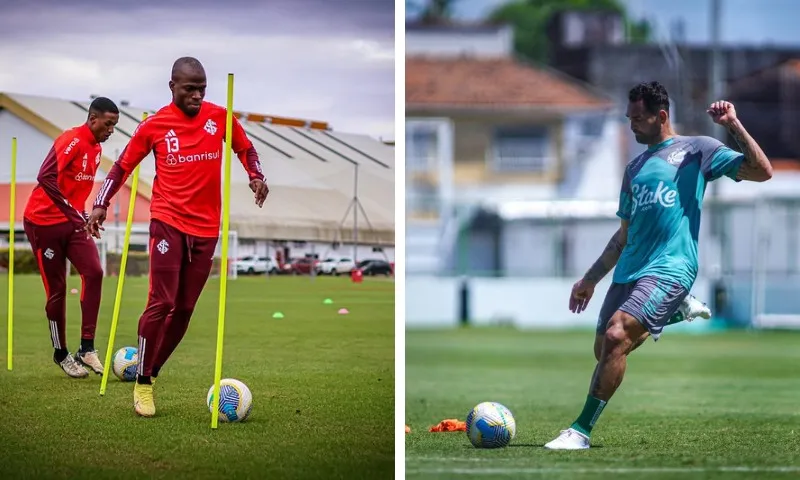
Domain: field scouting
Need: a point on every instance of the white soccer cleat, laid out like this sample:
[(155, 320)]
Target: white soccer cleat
[(569, 439), (692, 308), (90, 360), (72, 368)]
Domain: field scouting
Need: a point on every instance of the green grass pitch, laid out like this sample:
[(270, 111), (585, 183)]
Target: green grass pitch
[(323, 387), (718, 405)]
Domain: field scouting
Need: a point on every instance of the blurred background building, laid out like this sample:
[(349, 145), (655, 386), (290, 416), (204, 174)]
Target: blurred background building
[(516, 142)]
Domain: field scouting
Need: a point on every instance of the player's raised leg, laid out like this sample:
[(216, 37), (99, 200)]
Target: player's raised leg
[(690, 309), (49, 246), (194, 275), (166, 255), (83, 254)]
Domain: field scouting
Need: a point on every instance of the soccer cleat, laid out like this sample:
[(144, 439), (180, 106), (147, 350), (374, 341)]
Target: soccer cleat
[(90, 360), (71, 367), (692, 308), (569, 439), (143, 402)]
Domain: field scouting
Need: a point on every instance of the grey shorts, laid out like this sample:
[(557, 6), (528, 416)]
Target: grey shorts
[(650, 300)]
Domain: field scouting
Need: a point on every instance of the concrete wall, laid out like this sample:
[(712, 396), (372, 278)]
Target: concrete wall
[(433, 302)]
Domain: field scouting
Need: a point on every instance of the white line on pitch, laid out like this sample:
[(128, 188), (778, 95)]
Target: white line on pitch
[(522, 470)]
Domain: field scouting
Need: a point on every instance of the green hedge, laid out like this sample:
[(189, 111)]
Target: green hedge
[(138, 263), (24, 261)]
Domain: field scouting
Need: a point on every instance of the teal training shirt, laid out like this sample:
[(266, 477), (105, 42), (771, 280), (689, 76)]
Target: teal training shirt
[(661, 197)]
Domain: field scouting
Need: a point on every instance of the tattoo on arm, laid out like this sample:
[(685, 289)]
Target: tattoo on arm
[(756, 166), (608, 258)]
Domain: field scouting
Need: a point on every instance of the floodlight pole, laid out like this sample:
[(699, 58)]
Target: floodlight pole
[(355, 205)]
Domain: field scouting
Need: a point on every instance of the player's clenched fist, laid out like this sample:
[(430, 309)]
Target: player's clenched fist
[(722, 112)]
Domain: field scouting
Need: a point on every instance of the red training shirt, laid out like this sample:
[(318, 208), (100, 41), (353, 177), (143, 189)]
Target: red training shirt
[(65, 179), (188, 153)]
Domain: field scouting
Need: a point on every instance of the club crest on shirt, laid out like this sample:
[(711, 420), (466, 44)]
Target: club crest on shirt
[(676, 157), (85, 159), (97, 159), (210, 127)]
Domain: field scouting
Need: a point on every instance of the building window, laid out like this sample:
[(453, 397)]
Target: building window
[(420, 148), (520, 149)]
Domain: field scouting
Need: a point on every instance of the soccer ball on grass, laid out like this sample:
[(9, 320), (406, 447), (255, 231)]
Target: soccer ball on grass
[(490, 425), (235, 400), (124, 363)]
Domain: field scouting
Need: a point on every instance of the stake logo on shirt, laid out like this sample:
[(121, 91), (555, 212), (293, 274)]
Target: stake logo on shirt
[(644, 197)]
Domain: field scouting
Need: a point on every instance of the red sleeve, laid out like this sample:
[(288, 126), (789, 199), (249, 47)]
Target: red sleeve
[(57, 160), (246, 152), (137, 149)]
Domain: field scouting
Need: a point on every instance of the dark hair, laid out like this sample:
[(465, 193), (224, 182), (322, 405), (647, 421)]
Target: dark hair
[(103, 105), (652, 94)]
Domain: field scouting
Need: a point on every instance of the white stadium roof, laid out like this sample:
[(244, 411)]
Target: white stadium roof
[(310, 172)]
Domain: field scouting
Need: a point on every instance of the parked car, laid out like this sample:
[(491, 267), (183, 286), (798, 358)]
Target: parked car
[(326, 266), (375, 267), (335, 266), (287, 267), (302, 266), (344, 266), (252, 264)]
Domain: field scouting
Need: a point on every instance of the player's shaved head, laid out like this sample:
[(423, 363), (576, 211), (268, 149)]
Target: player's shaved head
[(187, 66), (188, 85)]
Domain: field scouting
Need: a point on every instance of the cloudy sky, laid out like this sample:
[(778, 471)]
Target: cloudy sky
[(751, 22), (328, 60)]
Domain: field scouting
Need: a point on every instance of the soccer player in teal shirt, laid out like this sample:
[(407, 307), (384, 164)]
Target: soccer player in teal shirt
[(655, 248)]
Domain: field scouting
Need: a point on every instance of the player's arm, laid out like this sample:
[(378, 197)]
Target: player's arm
[(755, 167), (56, 162), (140, 145), (752, 164), (244, 149), (583, 289), (608, 259), (248, 156)]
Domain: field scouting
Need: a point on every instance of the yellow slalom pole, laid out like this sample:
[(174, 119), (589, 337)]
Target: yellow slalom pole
[(12, 201), (121, 277), (223, 269)]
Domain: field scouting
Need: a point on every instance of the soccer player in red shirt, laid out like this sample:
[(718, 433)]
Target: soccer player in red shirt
[(187, 137), (55, 224)]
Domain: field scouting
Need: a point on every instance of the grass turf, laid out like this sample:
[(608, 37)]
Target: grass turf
[(721, 405), (323, 387)]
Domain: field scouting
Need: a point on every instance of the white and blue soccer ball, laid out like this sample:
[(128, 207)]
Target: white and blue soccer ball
[(490, 425), (235, 400), (124, 363)]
